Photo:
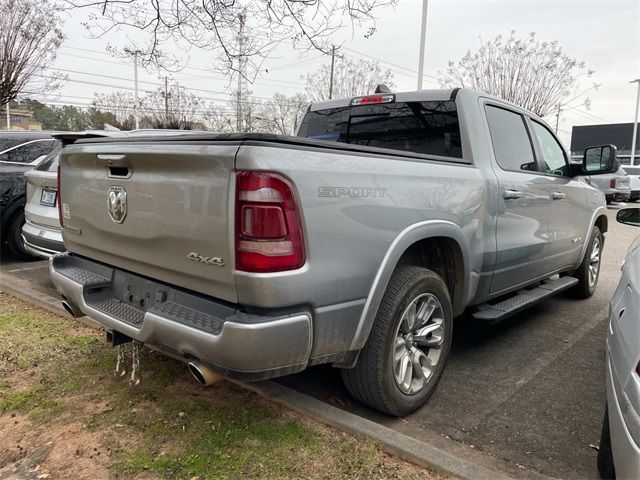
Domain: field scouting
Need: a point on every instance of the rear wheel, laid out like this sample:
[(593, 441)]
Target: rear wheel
[(402, 362), (605, 455), (14, 237), (589, 270)]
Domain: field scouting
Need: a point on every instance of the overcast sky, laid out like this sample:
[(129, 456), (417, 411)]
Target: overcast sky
[(604, 34)]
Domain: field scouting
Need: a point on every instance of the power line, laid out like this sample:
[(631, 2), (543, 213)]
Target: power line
[(197, 69), (414, 72), (123, 87)]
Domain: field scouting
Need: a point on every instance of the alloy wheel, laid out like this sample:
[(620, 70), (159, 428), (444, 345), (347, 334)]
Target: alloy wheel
[(418, 343), (594, 262)]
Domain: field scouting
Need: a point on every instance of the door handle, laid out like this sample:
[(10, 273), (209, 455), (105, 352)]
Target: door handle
[(558, 195), (509, 194)]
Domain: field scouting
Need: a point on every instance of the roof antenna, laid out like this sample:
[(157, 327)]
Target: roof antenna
[(382, 88)]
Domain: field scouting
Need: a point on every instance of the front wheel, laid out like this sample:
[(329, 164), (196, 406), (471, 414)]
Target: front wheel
[(402, 362), (589, 270)]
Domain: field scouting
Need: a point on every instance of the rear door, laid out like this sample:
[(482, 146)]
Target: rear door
[(523, 202), (569, 217), (159, 208)]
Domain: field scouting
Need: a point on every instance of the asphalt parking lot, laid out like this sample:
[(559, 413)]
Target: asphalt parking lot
[(529, 391)]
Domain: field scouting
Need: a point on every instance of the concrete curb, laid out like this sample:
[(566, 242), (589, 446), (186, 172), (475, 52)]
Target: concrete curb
[(399, 444)]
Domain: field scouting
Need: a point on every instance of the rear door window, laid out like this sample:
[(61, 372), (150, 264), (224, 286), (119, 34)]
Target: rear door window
[(511, 143), (28, 152), (430, 128)]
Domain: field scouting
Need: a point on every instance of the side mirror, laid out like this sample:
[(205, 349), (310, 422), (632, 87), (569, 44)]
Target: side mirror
[(601, 159), (629, 216)]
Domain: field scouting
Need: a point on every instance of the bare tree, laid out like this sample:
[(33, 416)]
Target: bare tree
[(30, 35), (176, 108), (214, 25), (537, 76), (121, 105), (352, 77), (220, 119), (282, 114)]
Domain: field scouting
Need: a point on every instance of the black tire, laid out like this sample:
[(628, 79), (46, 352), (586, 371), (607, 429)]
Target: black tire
[(605, 455), (14, 237), (372, 380), (585, 288)]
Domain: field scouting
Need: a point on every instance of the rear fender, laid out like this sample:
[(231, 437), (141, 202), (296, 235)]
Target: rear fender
[(404, 240)]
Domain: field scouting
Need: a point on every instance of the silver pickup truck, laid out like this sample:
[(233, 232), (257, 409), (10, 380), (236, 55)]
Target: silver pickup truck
[(355, 243)]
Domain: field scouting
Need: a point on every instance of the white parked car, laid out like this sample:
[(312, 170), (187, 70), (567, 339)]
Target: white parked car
[(634, 181), (619, 454)]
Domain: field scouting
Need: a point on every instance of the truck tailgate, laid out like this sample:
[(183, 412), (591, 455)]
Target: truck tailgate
[(178, 224)]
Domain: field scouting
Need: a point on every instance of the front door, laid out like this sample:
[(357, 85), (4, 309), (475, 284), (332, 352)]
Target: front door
[(569, 217), (522, 227)]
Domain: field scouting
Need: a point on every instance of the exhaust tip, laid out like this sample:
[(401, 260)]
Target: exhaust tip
[(203, 374), (72, 309)]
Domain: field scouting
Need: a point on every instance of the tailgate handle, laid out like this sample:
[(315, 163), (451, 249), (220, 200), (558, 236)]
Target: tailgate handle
[(117, 165)]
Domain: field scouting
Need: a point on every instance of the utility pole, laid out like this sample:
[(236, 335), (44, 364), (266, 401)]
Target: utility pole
[(635, 123), (135, 81), (423, 38), (333, 62), (558, 116), (8, 118), (166, 100), (239, 99)]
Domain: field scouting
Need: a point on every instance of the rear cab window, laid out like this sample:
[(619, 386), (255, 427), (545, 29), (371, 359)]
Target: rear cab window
[(428, 127)]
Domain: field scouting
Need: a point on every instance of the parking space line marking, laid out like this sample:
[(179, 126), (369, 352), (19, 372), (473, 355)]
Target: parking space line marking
[(26, 268)]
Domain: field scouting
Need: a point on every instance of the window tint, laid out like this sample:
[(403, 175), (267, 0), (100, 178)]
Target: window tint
[(552, 153), (511, 143), (28, 152), (8, 143), (421, 127)]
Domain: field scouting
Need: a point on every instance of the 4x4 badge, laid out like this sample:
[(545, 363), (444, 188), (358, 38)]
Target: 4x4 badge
[(196, 257), (117, 204)]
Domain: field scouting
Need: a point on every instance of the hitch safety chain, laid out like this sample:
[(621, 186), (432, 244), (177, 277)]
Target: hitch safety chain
[(121, 370)]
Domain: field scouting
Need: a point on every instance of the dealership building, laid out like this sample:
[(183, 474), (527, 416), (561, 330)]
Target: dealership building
[(618, 134)]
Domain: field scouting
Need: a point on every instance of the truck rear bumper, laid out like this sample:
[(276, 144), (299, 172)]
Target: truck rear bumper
[(184, 324)]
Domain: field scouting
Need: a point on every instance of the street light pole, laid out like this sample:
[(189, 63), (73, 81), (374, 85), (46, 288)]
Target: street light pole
[(333, 61), (635, 123), (8, 118), (135, 82), (423, 37)]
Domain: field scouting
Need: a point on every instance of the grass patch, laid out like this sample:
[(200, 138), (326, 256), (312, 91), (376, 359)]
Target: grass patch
[(167, 427), (29, 337)]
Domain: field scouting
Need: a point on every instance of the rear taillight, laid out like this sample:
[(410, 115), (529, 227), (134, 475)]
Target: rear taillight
[(612, 183), (59, 198), (268, 228)]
